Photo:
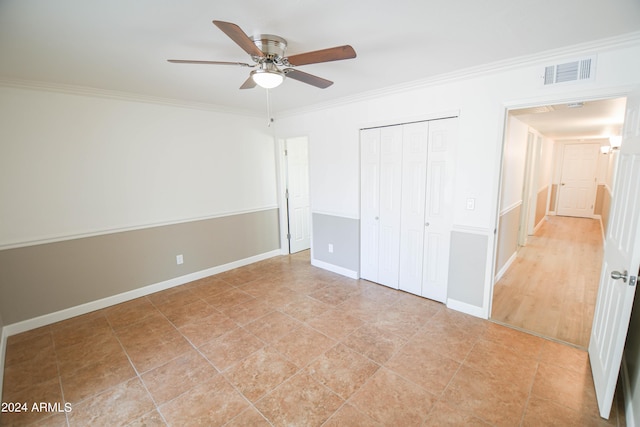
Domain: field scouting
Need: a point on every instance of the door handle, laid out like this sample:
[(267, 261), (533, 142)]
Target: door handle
[(617, 275)]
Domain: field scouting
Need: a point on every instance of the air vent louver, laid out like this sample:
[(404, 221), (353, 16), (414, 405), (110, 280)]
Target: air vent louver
[(572, 71)]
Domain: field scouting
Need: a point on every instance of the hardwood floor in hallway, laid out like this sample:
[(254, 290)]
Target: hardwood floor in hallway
[(551, 287)]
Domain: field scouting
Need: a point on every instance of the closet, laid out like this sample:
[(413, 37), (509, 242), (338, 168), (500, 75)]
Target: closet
[(406, 205)]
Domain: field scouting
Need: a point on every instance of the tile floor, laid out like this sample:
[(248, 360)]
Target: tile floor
[(285, 344)]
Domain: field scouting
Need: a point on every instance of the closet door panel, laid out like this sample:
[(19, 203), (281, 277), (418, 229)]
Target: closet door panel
[(390, 208), (439, 204), (414, 175), (369, 203)]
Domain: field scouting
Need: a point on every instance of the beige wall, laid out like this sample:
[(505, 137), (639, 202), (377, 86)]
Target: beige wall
[(507, 237), (42, 279), (541, 205)]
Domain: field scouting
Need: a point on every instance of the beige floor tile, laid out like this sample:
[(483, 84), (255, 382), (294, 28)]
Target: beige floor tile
[(300, 401), (96, 377), (249, 311), (230, 348), (119, 405), (347, 415), (28, 394), (503, 362), (177, 376), (574, 390), (487, 396), (249, 417), (342, 370), (335, 323), (181, 314), (126, 314), (544, 412), (444, 415), (303, 345), (392, 400), (306, 309), (420, 364), (274, 325), (206, 329), (212, 403), (260, 373), (375, 343)]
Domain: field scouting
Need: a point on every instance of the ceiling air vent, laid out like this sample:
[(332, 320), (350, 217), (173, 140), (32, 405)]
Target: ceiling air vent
[(571, 71)]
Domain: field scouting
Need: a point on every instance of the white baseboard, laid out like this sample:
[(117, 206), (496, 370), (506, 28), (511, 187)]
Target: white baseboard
[(47, 319), (334, 268), (506, 266), (626, 389), (466, 308)]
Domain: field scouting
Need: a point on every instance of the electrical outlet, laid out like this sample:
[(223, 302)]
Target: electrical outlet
[(179, 259), (330, 248)]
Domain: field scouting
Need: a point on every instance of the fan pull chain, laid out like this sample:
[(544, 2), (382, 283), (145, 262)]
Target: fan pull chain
[(269, 118)]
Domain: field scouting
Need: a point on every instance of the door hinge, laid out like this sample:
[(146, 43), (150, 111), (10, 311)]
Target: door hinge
[(286, 152), (289, 236), (286, 194)]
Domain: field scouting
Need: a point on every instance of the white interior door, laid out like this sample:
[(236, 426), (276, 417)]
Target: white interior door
[(578, 182), (443, 135), (414, 176), (621, 257), (390, 199), (299, 209), (369, 203)]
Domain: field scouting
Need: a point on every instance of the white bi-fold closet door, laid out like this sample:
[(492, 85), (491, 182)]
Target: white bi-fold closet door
[(406, 188)]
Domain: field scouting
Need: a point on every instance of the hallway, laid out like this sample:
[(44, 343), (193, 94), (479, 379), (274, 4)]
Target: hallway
[(551, 287)]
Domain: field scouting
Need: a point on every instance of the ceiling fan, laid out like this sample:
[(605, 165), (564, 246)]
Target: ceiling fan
[(271, 65)]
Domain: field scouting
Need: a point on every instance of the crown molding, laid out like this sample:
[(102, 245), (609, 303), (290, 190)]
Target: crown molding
[(597, 46), (121, 96)]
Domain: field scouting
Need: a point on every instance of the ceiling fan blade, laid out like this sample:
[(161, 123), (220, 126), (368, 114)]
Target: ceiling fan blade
[(248, 84), (188, 61), (307, 78), (236, 34), (324, 55)]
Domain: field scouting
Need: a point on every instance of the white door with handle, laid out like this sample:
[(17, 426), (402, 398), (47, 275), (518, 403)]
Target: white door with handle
[(578, 183), (620, 265), (299, 208)]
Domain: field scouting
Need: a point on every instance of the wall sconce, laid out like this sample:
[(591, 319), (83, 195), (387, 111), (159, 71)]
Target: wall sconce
[(615, 142)]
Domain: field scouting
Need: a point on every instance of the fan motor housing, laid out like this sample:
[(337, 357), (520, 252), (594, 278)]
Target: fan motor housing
[(272, 46)]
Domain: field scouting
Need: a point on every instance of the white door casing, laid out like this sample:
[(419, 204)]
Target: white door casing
[(443, 135), (578, 182), (299, 209), (621, 254)]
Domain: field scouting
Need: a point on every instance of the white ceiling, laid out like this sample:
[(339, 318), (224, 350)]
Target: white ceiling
[(587, 120), (123, 45)]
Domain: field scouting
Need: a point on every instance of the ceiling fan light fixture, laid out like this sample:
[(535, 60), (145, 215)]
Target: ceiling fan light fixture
[(268, 77)]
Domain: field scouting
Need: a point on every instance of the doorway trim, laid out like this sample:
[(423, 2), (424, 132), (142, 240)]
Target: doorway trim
[(555, 98), (282, 187)]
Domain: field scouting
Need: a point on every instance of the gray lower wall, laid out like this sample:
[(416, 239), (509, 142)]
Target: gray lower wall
[(541, 205), (508, 226), (42, 279), (343, 234), (603, 205), (467, 267)]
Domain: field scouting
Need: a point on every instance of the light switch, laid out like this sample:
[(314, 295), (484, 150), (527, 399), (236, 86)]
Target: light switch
[(471, 204)]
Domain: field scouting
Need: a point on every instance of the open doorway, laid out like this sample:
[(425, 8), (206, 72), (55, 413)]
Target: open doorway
[(548, 256), (298, 209)]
